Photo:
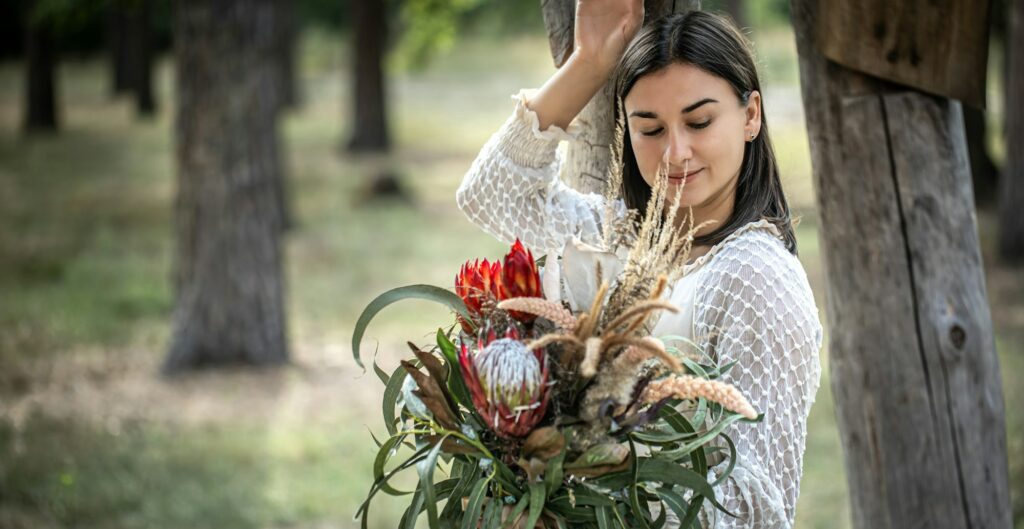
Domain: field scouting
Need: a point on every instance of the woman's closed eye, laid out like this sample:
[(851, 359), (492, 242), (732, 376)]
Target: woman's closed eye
[(697, 126)]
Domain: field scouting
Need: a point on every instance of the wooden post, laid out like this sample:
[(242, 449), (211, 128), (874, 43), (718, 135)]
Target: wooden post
[(586, 162), (913, 364)]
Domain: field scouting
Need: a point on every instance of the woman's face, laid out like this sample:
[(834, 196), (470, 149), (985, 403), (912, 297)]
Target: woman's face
[(692, 121)]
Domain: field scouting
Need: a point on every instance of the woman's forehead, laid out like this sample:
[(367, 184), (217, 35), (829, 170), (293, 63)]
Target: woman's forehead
[(674, 88)]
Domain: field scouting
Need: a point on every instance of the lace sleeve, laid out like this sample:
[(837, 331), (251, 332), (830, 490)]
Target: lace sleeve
[(754, 306), (513, 190)]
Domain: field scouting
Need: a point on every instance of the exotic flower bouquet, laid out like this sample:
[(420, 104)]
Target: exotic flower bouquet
[(548, 403), (539, 415)]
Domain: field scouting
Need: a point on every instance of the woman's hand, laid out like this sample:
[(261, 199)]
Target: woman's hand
[(603, 30), (605, 27)]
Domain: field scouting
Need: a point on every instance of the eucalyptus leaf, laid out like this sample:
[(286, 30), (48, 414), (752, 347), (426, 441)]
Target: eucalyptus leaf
[(427, 292)]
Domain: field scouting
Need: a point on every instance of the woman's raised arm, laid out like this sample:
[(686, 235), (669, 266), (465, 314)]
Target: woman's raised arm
[(512, 190)]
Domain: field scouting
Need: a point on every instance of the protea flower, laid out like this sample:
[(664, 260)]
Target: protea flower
[(508, 383), (520, 279), (476, 283)]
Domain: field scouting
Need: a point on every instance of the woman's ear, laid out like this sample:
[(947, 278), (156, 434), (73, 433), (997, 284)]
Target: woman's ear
[(753, 112)]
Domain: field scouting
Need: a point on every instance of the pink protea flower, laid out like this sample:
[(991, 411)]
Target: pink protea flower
[(508, 383)]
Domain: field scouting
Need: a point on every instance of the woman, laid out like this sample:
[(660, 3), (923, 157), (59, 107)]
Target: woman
[(692, 100)]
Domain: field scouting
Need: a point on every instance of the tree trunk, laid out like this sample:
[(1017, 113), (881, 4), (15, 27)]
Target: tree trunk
[(370, 128), (130, 46), (229, 305), (41, 76), (117, 48), (286, 42), (983, 172), (1011, 195), (913, 364), (586, 163), (139, 56)]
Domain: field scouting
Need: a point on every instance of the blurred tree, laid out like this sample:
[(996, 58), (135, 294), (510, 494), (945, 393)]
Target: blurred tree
[(983, 171), (40, 65), (130, 46), (287, 37), (229, 289), (1011, 195), (370, 128)]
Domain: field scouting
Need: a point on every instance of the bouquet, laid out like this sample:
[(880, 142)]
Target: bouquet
[(548, 403)]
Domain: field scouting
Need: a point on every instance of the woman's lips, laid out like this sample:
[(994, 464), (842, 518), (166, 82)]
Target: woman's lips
[(678, 177)]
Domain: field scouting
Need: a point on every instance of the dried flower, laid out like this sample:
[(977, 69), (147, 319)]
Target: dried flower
[(691, 387), (549, 310)]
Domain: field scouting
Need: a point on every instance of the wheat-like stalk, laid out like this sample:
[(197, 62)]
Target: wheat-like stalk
[(547, 309), (691, 387)]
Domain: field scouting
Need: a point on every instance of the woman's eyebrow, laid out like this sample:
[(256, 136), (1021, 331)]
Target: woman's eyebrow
[(698, 104), (651, 115)]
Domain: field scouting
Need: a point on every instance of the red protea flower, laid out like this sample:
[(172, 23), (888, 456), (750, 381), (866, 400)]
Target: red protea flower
[(476, 283), (508, 383), (520, 279)]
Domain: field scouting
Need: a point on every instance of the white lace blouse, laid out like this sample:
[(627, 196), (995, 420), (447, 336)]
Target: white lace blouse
[(746, 300)]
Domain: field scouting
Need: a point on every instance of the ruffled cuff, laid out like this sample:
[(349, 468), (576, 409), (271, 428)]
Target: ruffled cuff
[(522, 141)]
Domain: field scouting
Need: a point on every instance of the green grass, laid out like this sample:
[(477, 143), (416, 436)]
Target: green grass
[(90, 437)]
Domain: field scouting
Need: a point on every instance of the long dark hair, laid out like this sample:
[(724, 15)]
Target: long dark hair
[(713, 44)]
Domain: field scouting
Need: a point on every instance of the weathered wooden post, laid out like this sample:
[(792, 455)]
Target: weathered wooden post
[(913, 363), (586, 162)]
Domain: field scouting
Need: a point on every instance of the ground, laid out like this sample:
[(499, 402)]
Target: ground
[(90, 436)]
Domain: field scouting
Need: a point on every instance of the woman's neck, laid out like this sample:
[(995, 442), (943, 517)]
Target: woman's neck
[(709, 216)]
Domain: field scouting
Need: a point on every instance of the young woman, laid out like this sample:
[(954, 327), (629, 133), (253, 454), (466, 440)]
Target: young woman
[(692, 100)]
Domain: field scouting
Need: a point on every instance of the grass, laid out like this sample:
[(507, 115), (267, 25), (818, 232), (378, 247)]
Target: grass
[(90, 437)]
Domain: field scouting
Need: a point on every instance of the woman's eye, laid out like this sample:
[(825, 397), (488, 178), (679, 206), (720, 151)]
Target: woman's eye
[(654, 132), (701, 125)]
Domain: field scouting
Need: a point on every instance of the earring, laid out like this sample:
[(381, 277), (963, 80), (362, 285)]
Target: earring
[(751, 135)]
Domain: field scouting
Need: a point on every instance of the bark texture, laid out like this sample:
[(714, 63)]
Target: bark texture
[(229, 305), (914, 370)]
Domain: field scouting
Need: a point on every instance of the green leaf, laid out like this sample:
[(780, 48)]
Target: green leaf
[(413, 511), (381, 374), (492, 514), (604, 518), (426, 470), (456, 384), (391, 393), (476, 500), (468, 476), (634, 496), (732, 461), (537, 495), (383, 455), (685, 450), (679, 423), (514, 515), (427, 292), (554, 473), (675, 502)]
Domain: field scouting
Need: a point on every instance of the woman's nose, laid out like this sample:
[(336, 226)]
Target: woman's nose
[(678, 149)]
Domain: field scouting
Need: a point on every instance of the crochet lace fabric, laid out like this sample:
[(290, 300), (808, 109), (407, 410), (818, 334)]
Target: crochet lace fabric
[(752, 305)]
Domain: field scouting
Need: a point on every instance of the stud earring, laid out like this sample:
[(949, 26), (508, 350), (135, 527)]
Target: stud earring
[(751, 135)]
